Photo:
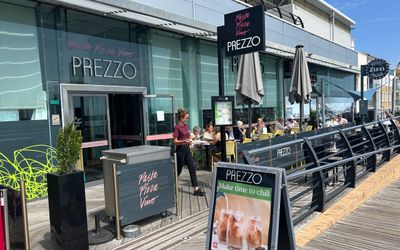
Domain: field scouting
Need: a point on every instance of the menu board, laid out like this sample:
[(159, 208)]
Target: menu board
[(245, 208), (223, 113), (222, 107)]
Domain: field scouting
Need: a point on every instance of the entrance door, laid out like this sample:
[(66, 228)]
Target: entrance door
[(126, 116), (108, 116), (91, 116), (161, 117)]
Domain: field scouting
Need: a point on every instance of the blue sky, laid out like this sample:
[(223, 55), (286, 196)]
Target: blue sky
[(377, 29)]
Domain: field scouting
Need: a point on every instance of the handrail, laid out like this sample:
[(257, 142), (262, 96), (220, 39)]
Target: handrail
[(322, 164), (334, 164)]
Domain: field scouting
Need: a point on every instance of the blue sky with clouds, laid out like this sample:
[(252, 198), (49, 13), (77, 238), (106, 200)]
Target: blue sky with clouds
[(377, 29)]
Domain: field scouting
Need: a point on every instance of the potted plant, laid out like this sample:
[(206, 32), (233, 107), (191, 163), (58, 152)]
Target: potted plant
[(66, 194)]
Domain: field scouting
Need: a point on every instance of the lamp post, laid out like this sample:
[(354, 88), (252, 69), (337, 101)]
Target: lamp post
[(395, 80)]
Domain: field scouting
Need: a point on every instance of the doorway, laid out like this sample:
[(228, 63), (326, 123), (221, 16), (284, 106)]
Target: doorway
[(108, 117)]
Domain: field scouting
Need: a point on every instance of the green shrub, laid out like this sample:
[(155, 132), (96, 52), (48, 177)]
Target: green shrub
[(68, 148)]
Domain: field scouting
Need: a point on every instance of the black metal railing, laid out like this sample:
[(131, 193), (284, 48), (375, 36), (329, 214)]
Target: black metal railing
[(322, 164)]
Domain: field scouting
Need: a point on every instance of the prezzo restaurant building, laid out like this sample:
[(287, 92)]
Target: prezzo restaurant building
[(119, 68)]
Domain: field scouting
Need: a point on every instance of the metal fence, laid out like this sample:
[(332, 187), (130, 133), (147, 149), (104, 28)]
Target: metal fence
[(321, 164)]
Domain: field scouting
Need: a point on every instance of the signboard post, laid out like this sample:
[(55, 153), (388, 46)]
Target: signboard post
[(243, 32), (249, 209)]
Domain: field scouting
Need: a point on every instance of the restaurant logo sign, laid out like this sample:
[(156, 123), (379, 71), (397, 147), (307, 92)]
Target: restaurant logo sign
[(244, 31), (101, 58), (377, 69), (97, 67)]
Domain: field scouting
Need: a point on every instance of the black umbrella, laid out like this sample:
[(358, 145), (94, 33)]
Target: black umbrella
[(300, 86), (249, 85)]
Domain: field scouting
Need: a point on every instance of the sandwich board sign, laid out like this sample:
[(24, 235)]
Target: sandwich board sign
[(249, 209)]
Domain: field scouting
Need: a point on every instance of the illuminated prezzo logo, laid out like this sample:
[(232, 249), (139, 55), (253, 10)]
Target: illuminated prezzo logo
[(96, 67), (107, 59)]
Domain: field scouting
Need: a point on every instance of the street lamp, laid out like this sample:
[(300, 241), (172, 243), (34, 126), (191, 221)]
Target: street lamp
[(394, 96)]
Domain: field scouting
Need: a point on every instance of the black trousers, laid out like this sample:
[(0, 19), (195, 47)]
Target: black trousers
[(184, 157)]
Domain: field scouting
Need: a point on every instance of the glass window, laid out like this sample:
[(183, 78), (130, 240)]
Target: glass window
[(269, 109), (166, 65), (271, 105), (336, 100), (21, 91), (208, 73)]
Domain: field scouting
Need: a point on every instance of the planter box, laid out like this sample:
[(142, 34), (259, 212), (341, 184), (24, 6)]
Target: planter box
[(67, 207)]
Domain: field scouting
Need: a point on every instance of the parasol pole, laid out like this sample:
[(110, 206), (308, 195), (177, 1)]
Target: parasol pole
[(248, 133), (301, 114), (301, 107)]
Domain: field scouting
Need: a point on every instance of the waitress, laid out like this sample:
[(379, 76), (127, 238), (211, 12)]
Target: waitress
[(184, 157)]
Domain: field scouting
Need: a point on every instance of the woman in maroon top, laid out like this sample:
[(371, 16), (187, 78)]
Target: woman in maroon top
[(184, 156)]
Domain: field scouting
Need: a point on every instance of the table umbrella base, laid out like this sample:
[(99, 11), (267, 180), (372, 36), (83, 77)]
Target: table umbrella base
[(100, 235)]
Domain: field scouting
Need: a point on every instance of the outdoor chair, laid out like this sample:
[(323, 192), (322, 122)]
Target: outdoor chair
[(230, 150), (279, 132), (295, 130), (265, 136), (271, 128), (246, 140)]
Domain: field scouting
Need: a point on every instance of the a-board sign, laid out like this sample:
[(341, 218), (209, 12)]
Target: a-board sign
[(244, 31), (222, 109), (249, 209)]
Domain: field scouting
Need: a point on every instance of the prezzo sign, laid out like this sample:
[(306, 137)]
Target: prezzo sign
[(377, 69), (100, 60), (246, 209), (96, 67), (281, 152), (244, 31)]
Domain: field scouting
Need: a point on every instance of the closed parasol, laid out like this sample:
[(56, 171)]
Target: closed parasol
[(300, 86), (249, 85)]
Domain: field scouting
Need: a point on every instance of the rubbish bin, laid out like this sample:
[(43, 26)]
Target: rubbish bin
[(145, 181)]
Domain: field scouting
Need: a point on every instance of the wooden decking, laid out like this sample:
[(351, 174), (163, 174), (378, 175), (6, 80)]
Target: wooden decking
[(374, 225), (190, 207)]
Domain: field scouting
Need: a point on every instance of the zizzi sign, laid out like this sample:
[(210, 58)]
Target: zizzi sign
[(244, 31), (104, 68), (377, 69)]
